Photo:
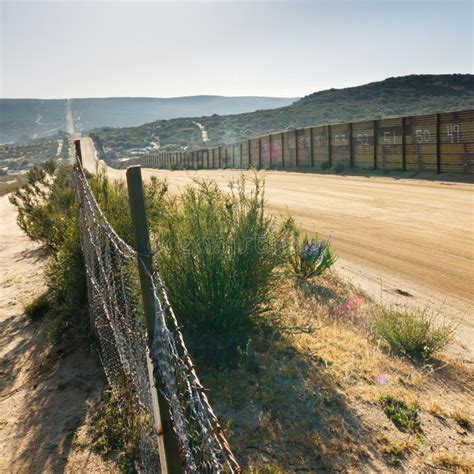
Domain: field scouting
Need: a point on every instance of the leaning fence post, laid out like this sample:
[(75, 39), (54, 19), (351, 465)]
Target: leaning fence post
[(77, 145), (169, 451)]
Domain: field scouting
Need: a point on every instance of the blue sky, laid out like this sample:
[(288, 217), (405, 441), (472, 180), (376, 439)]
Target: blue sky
[(288, 48)]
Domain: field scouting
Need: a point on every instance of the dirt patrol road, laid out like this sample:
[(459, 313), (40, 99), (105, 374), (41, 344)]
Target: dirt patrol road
[(405, 241)]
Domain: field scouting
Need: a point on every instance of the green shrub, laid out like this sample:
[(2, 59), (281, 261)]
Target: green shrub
[(39, 307), (411, 332), (339, 167), (31, 201), (402, 415), (219, 253), (112, 197), (66, 279), (309, 257), (176, 167), (116, 428), (48, 213)]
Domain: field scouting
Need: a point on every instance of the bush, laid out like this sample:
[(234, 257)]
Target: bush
[(48, 213), (413, 333), (176, 167), (325, 165), (39, 307), (309, 257), (116, 428), (339, 167), (40, 201), (219, 255), (66, 279), (112, 197), (402, 415)]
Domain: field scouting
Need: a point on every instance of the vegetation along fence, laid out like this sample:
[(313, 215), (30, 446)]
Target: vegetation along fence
[(437, 142), (141, 346)]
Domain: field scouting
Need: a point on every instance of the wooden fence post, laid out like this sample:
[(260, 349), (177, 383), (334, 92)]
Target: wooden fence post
[(77, 144), (168, 446)]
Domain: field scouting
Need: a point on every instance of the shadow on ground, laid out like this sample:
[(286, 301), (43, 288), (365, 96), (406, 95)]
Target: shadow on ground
[(284, 410), (49, 387), (394, 174)]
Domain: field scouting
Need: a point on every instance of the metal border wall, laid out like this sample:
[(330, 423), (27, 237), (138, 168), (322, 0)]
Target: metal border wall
[(442, 142)]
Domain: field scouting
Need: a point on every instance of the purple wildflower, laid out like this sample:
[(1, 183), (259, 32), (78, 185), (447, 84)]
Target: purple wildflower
[(382, 379), (313, 250)]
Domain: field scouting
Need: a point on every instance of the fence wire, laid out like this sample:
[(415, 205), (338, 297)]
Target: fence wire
[(113, 294)]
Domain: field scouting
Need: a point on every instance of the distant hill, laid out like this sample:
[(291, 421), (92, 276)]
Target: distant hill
[(25, 119), (396, 96), (22, 120)]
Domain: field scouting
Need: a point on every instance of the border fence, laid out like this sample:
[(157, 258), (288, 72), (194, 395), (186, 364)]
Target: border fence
[(441, 143), (141, 346)]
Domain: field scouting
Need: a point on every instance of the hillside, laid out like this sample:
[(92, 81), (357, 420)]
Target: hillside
[(409, 95), (22, 120), (25, 119)]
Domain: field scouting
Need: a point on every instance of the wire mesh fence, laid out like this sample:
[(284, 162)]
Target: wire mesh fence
[(117, 319)]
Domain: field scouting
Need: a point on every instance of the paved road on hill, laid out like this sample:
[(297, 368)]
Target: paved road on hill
[(409, 241)]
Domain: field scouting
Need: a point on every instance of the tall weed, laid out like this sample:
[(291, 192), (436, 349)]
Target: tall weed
[(309, 256), (411, 332), (220, 253)]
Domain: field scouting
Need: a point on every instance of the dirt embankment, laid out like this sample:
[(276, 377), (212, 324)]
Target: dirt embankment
[(409, 242), (45, 390)]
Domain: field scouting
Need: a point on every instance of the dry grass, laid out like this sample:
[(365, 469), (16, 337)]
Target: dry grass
[(394, 451), (453, 463), (462, 419), (9, 184), (307, 392)]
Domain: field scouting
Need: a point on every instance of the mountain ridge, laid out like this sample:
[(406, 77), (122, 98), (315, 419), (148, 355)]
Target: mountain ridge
[(24, 119), (392, 97)]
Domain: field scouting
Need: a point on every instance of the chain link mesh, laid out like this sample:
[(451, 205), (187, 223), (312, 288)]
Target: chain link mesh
[(113, 294)]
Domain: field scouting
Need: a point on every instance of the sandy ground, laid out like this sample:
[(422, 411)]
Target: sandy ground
[(44, 389), (407, 242)]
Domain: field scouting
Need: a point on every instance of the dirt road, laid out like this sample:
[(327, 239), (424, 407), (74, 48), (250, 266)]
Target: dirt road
[(406, 241)]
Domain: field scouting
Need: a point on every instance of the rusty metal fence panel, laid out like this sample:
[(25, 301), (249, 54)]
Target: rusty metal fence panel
[(276, 146), (289, 149), (420, 139), (228, 150), (363, 144), (340, 144), (255, 152), (244, 153), (320, 145), (390, 144), (265, 152), (236, 155), (303, 147), (456, 133)]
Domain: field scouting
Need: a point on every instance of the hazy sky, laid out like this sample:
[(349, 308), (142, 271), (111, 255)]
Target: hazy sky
[(281, 48)]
